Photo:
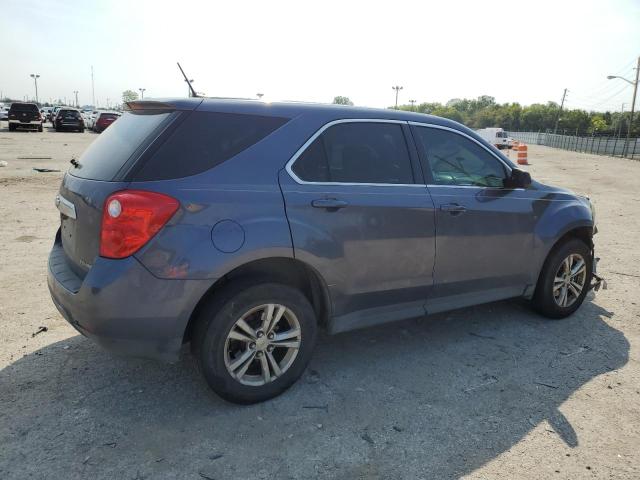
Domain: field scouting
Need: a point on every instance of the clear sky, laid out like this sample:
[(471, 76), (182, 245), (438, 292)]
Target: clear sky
[(516, 51)]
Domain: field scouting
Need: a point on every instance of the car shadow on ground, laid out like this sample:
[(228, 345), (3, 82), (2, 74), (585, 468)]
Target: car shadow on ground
[(435, 397)]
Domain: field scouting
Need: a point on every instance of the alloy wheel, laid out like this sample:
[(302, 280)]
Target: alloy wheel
[(262, 344), (569, 280)]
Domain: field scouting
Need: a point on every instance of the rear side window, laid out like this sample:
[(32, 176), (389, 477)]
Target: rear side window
[(364, 152), (111, 150), (204, 140)]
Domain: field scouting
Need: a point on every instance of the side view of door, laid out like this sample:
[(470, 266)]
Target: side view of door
[(484, 226), (360, 214)]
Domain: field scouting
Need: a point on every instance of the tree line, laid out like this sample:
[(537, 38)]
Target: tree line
[(484, 111)]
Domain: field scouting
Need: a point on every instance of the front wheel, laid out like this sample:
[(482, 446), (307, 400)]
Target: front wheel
[(564, 280), (252, 342)]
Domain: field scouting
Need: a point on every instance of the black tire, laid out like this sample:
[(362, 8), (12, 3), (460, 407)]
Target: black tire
[(12, 127), (40, 129), (81, 130), (220, 314), (543, 299)]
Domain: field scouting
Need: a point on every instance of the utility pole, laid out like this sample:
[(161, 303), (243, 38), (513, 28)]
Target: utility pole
[(35, 80), (142, 92), (555, 129), (412, 102), (633, 106), (93, 91), (397, 88), (75, 92)]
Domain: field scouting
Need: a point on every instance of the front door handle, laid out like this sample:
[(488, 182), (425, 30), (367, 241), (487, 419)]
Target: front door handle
[(329, 203), (453, 208)]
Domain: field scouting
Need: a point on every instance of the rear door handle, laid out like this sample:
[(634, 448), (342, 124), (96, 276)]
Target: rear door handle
[(329, 203), (453, 208)]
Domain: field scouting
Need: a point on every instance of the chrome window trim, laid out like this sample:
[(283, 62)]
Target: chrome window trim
[(319, 132), (441, 127)]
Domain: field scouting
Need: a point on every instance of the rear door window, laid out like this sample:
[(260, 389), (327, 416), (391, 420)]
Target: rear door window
[(358, 152), (204, 140), (110, 151)]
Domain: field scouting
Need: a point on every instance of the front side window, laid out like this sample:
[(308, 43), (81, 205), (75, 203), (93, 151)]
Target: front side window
[(358, 152), (456, 160)]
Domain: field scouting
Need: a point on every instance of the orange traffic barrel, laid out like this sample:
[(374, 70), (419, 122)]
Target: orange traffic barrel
[(522, 155)]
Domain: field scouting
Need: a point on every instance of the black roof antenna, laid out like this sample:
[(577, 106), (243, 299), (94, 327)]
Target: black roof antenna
[(186, 79)]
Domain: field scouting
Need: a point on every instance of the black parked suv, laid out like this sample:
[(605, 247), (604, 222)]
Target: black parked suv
[(69, 119), (24, 115)]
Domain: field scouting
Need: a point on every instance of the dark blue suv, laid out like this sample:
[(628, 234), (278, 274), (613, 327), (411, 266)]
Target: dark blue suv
[(242, 227)]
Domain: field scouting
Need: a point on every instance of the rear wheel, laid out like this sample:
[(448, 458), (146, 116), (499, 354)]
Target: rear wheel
[(40, 128), (252, 342), (564, 280), (12, 127)]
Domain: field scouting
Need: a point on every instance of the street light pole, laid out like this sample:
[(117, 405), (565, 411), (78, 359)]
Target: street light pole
[(35, 80), (142, 92), (75, 92), (633, 104), (412, 102), (93, 91), (397, 88)]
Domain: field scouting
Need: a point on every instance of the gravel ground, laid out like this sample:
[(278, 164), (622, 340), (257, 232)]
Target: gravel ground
[(488, 392)]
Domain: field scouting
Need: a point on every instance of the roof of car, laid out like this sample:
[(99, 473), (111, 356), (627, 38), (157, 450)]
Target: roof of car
[(291, 109)]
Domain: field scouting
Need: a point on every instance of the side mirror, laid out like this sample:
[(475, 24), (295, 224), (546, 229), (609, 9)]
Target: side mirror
[(518, 179)]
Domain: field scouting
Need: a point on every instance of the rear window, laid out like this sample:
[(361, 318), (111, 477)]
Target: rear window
[(204, 140), (111, 150), (24, 107), (108, 116)]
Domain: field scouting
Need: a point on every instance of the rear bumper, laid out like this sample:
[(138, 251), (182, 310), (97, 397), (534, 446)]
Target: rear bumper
[(30, 122), (123, 307)]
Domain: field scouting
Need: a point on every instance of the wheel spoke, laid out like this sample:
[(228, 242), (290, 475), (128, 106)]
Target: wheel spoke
[(274, 365), (286, 344), (267, 315), (266, 373), (241, 364), (567, 265), (247, 329), (294, 332), (236, 335), (577, 267), (574, 290), (563, 296), (577, 286)]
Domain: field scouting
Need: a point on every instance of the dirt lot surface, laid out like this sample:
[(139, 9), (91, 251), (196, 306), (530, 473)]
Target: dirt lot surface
[(487, 392)]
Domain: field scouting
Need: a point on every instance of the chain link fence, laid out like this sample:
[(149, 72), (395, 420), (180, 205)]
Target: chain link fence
[(596, 144)]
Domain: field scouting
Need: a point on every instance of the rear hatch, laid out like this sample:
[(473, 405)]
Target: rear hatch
[(70, 116), (100, 171), (24, 112), (106, 119)]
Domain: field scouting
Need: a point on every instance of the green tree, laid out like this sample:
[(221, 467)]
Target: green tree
[(340, 100), (129, 96), (598, 124)]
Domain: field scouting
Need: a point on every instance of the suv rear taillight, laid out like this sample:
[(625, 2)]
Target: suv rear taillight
[(130, 219)]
